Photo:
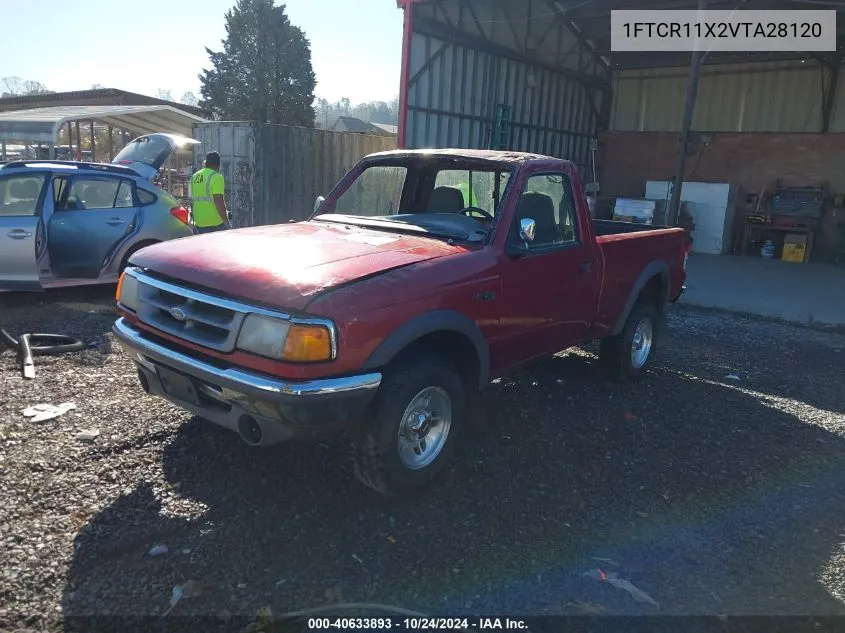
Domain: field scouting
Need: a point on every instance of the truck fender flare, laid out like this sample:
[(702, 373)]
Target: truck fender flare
[(428, 323), (654, 269)]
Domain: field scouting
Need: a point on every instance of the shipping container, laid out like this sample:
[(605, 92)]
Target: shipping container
[(274, 173), (511, 74)]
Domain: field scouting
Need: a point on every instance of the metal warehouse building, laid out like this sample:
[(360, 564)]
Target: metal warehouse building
[(539, 75)]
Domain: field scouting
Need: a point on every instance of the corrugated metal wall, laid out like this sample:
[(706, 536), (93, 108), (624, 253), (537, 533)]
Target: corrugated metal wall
[(761, 97), (274, 173), (298, 164), (236, 144), (456, 82), (452, 102)]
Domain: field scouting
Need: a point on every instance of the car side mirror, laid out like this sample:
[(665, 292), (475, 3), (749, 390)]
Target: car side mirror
[(527, 230), (320, 200)]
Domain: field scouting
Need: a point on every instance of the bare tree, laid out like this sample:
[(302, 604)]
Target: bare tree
[(97, 86), (189, 98), (17, 86), (167, 95)]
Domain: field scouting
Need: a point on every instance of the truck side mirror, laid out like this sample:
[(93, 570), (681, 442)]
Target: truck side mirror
[(527, 229), (320, 200)]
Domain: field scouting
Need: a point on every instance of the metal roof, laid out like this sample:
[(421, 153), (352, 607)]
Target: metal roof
[(589, 20), (95, 96), (41, 125), (592, 19)]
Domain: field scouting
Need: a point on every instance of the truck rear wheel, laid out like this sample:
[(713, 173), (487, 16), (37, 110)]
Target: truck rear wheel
[(410, 431), (628, 355)]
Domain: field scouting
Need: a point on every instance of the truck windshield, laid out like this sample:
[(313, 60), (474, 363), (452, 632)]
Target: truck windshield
[(445, 199)]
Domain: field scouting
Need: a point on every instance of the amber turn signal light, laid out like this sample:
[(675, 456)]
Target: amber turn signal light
[(308, 343)]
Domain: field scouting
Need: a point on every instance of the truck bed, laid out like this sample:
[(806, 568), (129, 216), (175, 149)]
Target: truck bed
[(626, 250), (611, 227)]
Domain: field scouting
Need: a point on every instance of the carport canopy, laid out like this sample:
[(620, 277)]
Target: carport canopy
[(41, 125)]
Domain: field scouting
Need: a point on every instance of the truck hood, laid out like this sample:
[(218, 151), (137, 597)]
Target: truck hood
[(285, 265)]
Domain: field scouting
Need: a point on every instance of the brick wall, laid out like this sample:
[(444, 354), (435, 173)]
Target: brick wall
[(749, 160)]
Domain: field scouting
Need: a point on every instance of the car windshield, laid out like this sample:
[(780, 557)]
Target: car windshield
[(446, 199)]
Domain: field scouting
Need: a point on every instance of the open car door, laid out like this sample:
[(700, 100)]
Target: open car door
[(146, 154), (22, 234)]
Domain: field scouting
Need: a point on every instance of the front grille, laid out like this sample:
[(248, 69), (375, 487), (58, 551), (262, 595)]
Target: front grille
[(192, 316)]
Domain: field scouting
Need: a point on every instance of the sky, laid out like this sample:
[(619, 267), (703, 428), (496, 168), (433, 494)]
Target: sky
[(356, 45)]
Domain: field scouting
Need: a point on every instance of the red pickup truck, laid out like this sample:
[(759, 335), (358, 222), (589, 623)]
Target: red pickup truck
[(422, 276)]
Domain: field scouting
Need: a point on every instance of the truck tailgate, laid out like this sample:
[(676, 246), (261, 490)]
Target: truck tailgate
[(625, 255)]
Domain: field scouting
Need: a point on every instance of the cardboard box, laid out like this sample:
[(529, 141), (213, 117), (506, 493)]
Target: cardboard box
[(793, 252), (796, 238)]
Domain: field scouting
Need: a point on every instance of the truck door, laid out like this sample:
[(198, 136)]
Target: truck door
[(550, 283), (92, 215), (22, 235)]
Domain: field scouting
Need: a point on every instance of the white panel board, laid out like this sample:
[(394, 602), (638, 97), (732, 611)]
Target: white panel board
[(711, 206)]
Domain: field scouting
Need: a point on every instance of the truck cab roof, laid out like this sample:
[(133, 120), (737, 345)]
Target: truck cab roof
[(493, 156)]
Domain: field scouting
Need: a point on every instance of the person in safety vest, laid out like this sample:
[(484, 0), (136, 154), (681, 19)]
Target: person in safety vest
[(207, 189)]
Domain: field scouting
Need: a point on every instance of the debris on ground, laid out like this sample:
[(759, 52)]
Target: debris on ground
[(586, 608), (158, 550), (88, 435), (43, 412), (188, 589), (606, 561), (732, 377), (613, 579)]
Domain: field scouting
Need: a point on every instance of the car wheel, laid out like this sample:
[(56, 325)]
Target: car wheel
[(410, 431), (628, 356)]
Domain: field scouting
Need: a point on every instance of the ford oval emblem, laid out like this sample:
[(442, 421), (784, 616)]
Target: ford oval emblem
[(178, 313)]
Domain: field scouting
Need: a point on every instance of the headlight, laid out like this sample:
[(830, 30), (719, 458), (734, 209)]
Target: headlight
[(284, 340), (264, 336), (127, 291)]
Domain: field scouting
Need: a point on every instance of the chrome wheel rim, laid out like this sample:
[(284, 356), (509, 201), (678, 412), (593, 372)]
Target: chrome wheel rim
[(642, 342), (424, 427)]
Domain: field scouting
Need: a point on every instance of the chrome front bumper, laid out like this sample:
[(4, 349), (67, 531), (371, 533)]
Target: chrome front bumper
[(223, 395)]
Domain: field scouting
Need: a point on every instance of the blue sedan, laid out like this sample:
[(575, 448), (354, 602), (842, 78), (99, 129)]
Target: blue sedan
[(68, 223)]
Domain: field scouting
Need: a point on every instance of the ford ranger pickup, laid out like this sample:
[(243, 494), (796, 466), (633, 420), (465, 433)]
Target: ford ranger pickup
[(423, 275)]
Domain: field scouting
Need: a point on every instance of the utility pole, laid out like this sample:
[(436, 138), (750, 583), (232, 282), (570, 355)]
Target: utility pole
[(673, 212)]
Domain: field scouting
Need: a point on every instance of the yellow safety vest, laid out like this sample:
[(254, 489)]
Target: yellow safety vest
[(469, 196), (205, 184)]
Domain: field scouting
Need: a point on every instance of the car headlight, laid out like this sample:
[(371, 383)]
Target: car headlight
[(127, 291), (286, 340)]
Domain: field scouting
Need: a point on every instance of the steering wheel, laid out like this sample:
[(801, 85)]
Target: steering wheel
[(469, 210)]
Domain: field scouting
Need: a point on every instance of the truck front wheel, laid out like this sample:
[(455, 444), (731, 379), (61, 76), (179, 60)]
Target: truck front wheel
[(410, 431), (628, 355)]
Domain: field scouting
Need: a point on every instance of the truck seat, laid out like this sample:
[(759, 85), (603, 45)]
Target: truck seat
[(445, 200), (540, 208)]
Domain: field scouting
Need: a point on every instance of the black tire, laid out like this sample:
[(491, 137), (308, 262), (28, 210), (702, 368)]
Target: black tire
[(377, 460), (616, 352)]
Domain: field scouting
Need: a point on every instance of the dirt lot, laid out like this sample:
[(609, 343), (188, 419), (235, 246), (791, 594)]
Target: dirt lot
[(709, 494)]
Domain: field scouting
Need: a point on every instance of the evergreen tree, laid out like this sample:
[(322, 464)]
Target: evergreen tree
[(264, 71)]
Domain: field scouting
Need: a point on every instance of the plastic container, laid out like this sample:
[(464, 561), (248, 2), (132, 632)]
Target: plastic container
[(768, 250)]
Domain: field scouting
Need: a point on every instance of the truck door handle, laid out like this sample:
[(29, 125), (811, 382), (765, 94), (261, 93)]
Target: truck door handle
[(585, 267), (115, 222), (19, 234)]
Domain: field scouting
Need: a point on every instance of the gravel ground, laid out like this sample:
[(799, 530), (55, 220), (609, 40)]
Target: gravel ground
[(710, 494)]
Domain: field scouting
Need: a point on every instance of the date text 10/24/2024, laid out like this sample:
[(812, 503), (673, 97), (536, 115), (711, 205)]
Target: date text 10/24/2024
[(416, 624)]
